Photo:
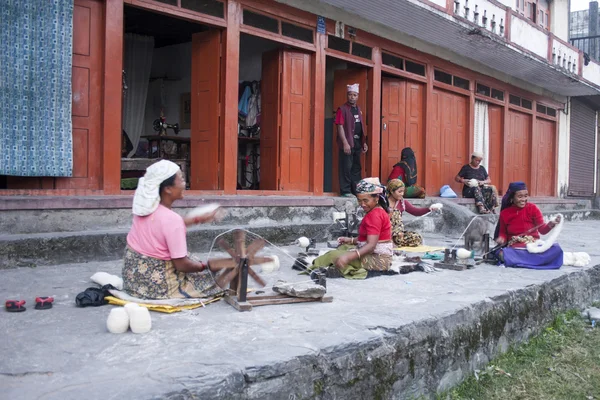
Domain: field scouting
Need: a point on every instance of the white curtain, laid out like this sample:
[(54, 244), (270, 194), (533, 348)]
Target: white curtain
[(482, 131), (137, 63)]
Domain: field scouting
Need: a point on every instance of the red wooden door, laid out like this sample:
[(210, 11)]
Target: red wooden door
[(270, 120), (448, 140), (393, 118), (518, 154), (496, 121), (342, 78), (402, 122), (544, 148), (205, 132), (414, 138), (296, 113), (88, 45)]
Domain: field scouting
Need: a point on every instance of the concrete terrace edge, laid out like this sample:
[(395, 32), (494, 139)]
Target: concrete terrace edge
[(80, 247), (8, 203), (410, 361)]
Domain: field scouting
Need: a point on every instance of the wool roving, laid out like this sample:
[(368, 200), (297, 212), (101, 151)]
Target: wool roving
[(540, 246), (129, 306), (118, 320), (140, 321)]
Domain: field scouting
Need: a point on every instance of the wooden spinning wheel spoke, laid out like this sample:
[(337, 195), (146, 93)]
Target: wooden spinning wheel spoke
[(239, 240), (222, 243), (261, 260), (256, 277), (226, 277), (217, 264), (255, 247)]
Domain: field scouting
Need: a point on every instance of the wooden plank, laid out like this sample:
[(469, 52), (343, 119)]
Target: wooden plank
[(231, 300), (270, 89), (110, 139), (289, 300), (295, 132), (373, 121), (205, 132), (229, 105), (318, 115)]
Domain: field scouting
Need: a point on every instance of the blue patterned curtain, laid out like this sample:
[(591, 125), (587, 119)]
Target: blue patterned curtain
[(35, 87)]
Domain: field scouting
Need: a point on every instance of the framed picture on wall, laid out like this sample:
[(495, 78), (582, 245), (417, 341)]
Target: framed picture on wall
[(185, 111)]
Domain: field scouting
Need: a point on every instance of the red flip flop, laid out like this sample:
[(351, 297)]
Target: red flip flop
[(43, 303), (15, 305)]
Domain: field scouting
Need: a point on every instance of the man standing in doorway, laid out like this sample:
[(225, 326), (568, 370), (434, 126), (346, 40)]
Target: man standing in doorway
[(351, 142)]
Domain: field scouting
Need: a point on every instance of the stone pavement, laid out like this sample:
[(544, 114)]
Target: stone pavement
[(386, 337)]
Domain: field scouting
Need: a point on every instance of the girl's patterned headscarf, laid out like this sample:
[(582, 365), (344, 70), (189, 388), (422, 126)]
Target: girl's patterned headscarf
[(394, 185), (369, 186)]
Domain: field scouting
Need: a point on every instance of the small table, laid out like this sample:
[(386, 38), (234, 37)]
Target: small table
[(158, 139)]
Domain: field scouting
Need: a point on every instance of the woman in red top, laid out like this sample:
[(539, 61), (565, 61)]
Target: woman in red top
[(521, 223), (406, 171), (372, 255)]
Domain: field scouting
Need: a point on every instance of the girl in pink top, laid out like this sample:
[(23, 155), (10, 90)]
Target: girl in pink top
[(157, 265)]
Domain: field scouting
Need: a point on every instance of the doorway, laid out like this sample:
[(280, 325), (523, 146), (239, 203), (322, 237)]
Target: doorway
[(518, 148), (275, 115), (339, 74), (171, 84)]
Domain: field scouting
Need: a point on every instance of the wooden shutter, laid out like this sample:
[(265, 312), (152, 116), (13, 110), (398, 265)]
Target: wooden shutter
[(582, 149), (205, 95)]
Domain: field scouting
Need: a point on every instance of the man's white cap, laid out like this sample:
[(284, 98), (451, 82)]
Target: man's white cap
[(353, 88)]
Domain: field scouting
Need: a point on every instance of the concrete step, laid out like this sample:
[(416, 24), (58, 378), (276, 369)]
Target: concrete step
[(45, 231)]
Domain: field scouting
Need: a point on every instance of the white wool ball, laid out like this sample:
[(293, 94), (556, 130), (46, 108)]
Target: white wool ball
[(303, 241), (118, 321), (140, 321), (436, 206), (129, 306), (464, 253), (276, 262)]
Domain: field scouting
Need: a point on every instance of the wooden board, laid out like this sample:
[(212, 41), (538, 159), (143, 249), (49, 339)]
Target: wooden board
[(496, 121), (517, 165), (205, 130), (448, 148), (270, 89), (402, 111), (544, 162), (295, 140)]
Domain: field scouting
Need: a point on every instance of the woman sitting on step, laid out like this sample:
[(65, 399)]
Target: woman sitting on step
[(395, 196), (157, 264), (477, 185), (371, 253), (520, 224), (406, 171)]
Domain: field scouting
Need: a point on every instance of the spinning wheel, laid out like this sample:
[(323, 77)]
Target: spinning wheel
[(232, 274), (242, 257)]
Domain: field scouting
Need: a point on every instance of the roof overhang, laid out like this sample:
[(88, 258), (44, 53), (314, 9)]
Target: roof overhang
[(430, 30)]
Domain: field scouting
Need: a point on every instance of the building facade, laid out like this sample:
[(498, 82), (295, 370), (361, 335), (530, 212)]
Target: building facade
[(443, 77)]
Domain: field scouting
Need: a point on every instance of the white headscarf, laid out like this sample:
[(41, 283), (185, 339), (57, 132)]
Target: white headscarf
[(147, 196), (477, 154), (352, 88)]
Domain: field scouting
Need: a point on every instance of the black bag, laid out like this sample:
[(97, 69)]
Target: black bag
[(93, 296)]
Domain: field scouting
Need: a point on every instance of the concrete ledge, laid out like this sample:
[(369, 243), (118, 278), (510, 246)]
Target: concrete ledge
[(398, 337), (124, 201), (79, 247)]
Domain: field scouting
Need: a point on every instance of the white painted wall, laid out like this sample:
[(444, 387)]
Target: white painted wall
[(174, 62), (441, 3), (528, 37), (492, 11), (509, 3), (564, 137), (559, 19), (566, 55), (591, 72)]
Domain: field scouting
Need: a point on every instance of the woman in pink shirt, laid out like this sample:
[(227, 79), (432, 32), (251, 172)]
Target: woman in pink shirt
[(157, 265)]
